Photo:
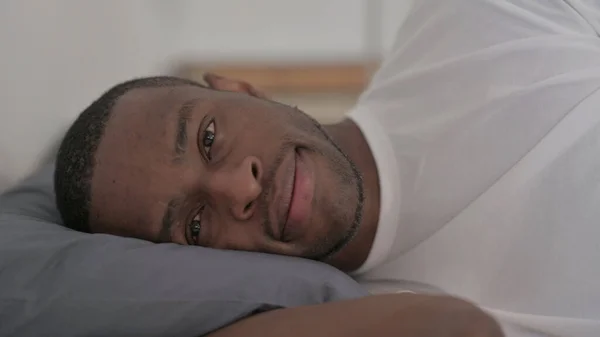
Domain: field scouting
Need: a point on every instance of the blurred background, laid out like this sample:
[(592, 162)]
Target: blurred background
[(59, 55)]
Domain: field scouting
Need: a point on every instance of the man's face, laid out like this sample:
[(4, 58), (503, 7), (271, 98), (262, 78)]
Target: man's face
[(224, 170)]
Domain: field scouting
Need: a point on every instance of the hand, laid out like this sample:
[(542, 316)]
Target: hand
[(217, 82)]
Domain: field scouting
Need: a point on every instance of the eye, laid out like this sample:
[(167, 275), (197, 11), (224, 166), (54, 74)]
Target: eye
[(208, 138), (195, 226)]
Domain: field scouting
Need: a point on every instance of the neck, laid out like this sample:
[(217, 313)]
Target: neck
[(351, 140)]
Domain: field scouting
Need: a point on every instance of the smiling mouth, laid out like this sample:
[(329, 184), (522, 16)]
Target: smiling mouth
[(289, 199), (301, 195)]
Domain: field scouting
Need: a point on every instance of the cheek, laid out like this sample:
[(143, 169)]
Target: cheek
[(266, 134), (262, 139)]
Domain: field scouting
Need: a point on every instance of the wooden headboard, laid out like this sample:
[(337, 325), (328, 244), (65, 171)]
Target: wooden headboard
[(347, 77)]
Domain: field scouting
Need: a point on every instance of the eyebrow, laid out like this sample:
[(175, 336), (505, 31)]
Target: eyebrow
[(167, 221), (181, 136)]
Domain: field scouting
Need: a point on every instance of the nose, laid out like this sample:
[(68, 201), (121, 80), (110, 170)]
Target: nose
[(240, 188)]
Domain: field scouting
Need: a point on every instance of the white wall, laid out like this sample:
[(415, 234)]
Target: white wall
[(393, 13), (275, 30), (56, 56), (283, 30)]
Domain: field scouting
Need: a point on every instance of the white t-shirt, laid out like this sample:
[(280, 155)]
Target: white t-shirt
[(485, 126)]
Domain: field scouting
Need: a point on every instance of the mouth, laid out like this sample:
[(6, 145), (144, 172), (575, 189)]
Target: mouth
[(288, 197), (298, 199), (284, 192)]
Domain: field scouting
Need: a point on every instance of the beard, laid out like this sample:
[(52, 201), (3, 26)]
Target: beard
[(341, 227), (333, 243)]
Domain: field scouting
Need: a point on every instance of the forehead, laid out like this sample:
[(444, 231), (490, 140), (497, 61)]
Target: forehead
[(136, 148)]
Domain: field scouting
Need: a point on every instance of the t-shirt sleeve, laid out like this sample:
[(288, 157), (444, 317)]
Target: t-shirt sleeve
[(467, 90)]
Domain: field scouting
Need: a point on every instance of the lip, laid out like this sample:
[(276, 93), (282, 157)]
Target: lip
[(300, 198), (283, 193)]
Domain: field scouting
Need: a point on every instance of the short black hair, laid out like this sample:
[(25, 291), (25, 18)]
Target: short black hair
[(75, 158)]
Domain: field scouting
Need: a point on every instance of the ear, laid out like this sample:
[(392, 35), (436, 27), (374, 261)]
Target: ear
[(227, 84)]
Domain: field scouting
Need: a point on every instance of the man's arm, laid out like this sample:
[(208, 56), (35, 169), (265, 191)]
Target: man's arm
[(405, 315)]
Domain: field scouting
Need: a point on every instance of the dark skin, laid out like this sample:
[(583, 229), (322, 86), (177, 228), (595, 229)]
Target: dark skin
[(226, 168), (257, 147), (404, 315)]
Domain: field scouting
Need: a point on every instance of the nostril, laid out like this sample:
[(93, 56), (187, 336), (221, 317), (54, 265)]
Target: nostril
[(248, 206), (254, 171)]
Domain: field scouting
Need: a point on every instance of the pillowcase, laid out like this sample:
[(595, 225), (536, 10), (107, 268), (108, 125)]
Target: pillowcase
[(58, 282)]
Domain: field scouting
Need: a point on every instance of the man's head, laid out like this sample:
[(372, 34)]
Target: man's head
[(169, 160)]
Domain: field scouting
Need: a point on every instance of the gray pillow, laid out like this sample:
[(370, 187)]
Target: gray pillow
[(58, 282)]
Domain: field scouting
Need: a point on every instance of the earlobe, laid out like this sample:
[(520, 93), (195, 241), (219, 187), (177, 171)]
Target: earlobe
[(226, 84)]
